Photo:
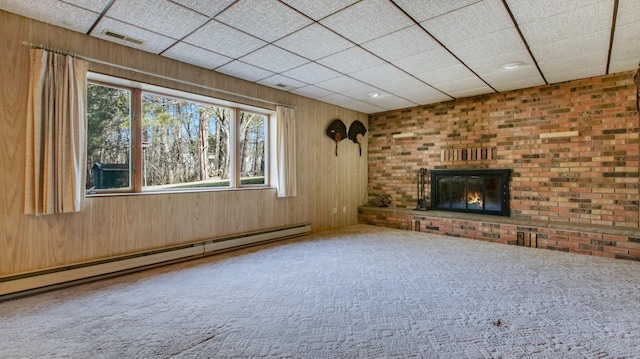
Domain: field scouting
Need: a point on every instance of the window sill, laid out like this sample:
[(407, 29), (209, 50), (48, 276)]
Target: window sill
[(173, 192)]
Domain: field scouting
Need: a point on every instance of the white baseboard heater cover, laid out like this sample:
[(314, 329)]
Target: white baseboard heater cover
[(42, 279)]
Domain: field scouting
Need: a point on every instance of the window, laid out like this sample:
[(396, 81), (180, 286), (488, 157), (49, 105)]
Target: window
[(252, 148), (108, 137), (183, 141)]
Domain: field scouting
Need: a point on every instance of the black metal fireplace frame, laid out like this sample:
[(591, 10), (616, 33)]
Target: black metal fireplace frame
[(503, 174)]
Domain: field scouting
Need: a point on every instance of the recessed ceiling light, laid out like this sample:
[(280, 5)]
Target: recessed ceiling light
[(512, 65), (374, 95)]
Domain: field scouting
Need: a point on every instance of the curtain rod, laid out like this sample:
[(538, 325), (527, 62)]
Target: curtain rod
[(64, 52)]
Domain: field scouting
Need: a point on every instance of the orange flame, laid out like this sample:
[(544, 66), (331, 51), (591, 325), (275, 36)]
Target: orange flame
[(474, 198)]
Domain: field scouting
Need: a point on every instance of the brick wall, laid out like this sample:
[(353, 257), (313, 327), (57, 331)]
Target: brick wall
[(572, 147)]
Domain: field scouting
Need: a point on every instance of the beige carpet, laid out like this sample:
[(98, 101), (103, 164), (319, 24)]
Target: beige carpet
[(357, 292)]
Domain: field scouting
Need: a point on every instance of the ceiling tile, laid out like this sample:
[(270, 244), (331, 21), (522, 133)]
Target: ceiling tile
[(222, 39), (339, 84), (469, 22), (573, 74), (427, 61), (428, 9), (390, 102), (314, 42), (456, 86), (53, 12), (244, 71), (628, 12), (206, 7), (403, 43), (582, 21), (282, 83), (624, 55), (351, 60), (526, 11), (401, 84), (379, 74), (520, 83), (367, 20), (488, 45), (311, 73), (162, 17), (319, 9), (93, 5), (570, 48), (446, 74), (269, 20), (363, 107), (365, 92), (336, 99), (468, 92), (312, 92), (196, 56), (274, 59), (586, 60), (152, 42), (495, 62), (506, 76), (423, 95)]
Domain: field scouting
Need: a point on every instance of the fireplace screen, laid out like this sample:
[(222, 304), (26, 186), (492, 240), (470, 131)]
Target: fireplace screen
[(475, 191)]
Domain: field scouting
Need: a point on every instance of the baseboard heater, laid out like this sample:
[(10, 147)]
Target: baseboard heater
[(31, 282)]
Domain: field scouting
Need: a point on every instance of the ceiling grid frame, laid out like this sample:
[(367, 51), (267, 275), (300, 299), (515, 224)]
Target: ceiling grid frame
[(352, 52)]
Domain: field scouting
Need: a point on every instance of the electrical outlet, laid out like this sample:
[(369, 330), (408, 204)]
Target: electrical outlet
[(334, 211), (344, 210)]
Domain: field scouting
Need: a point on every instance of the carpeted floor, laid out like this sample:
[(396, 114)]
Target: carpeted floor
[(356, 292)]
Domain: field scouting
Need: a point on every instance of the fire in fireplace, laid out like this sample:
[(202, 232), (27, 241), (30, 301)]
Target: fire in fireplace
[(473, 191)]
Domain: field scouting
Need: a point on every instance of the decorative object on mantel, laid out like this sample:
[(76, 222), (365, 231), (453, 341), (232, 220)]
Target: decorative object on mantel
[(559, 134), (379, 200), (636, 79), (356, 133), (470, 154), (337, 130), (403, 135), (422, 201)]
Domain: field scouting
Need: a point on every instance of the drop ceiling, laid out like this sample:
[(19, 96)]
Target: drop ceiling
[(369, 55)]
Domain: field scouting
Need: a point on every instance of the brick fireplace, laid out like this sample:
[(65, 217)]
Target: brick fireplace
[(572, 150)]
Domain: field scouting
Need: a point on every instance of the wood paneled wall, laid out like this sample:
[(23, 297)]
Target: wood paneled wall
[(124, 224)]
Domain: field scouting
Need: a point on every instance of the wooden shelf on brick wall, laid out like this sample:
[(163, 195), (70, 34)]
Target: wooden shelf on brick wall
[(468, 154)]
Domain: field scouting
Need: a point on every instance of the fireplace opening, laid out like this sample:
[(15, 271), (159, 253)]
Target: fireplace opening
[(473, 191)]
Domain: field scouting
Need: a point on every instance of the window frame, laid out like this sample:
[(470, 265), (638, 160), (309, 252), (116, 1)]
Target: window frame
[(136, 150)]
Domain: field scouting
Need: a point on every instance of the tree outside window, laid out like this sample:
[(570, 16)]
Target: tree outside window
[(108, 137), (184, 143)]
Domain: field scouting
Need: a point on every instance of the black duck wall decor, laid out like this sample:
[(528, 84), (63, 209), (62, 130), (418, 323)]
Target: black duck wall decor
[(356, 133), (337, 131)]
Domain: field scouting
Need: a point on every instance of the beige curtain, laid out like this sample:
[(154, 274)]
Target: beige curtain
[(56, 134), (286, 152)]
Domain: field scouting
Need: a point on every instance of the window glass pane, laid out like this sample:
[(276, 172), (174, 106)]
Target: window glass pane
[(185, 143), (108, 137), (444, 193), (492, 196), (252, 148), (458, 192)]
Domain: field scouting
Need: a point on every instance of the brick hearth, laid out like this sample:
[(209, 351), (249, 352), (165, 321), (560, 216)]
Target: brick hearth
[(603, 241)]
